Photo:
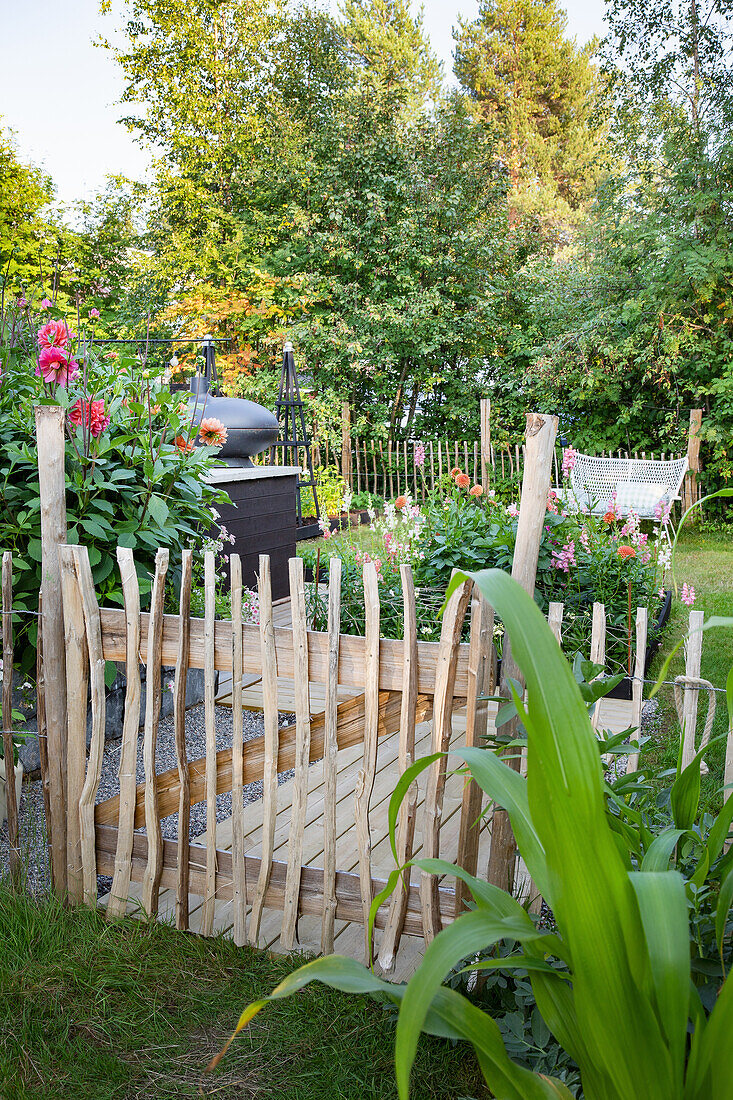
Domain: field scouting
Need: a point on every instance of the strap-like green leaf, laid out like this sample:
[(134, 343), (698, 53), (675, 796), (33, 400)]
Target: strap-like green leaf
[(656, 858), (725, 900), (663, 909), (623, 1045), (470, 933)]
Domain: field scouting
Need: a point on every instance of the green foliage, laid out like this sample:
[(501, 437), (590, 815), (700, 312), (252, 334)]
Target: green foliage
[(542, 94), (130, 484), (620, 1002)]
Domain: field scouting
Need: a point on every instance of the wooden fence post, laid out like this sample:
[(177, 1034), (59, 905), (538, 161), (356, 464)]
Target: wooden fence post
[(691, 492), (693, 664), (50, 423), (485, 442), (7, 719), (346, 444), (540, 448)]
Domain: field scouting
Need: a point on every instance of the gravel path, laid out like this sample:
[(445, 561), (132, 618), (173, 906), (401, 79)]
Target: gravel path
[(33, 843)]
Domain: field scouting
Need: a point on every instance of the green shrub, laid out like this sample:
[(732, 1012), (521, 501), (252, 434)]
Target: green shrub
[(133, 477)]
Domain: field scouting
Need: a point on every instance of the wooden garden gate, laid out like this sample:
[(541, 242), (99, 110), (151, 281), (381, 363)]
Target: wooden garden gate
[(397, 685)]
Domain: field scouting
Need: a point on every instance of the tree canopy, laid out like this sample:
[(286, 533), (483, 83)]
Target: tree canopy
[(555, 231)]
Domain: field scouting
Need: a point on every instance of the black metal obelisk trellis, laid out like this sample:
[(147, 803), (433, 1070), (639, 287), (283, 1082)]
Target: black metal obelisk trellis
[(294, 436)]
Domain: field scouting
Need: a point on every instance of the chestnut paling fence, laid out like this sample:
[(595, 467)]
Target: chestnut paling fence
[(390, 468), (398, 686)]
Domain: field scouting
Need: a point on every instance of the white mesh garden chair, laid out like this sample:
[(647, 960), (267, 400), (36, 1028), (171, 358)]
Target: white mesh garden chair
[(640, 484)]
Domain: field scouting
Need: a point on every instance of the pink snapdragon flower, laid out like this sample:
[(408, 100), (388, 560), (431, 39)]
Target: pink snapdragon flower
[(56, 366), (564, 558), (419, 455), (612, 509), (569, 456), (513, 510), (688, 594), (661, 512)]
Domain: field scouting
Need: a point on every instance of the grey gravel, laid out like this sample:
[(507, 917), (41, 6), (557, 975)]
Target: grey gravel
[(33, 842)]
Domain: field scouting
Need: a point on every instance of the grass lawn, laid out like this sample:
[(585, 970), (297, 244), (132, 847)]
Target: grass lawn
[(704, 559), (136, 1011)]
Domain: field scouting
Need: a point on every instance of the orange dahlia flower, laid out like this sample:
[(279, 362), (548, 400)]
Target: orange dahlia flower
[(400, 503), (212, 432), (625, 552), (463, 481), (476, 490)]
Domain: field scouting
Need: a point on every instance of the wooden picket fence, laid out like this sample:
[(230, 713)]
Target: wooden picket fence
[(389, 469), (398, 687)]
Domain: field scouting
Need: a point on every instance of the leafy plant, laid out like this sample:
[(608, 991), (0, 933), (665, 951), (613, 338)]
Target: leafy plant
[(133, 475), (622, 1004)]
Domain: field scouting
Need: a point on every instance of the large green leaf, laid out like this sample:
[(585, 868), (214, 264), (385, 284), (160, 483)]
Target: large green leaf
[(663, 909), (589, 889), (470, 933)]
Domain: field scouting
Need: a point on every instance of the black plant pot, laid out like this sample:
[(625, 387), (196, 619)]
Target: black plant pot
[(623, 687)]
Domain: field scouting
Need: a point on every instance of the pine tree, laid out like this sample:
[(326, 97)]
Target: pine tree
[(542, 94), (388, 45)]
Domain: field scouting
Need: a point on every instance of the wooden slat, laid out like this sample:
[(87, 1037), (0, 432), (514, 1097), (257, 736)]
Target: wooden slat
[(693, 662), (406, 828), (637, 689), (348, 890), (179, 725), (238, 861), (481, 681), (41, 725), (207, 922), (50, 439), (270, 747), (96, 747), (77, 675), (351, 660), (119, 891), (330, 758), (7, 718), (450, 635), (302, 753), (350, 733), (151, 880), (554, 620), (365, 779)]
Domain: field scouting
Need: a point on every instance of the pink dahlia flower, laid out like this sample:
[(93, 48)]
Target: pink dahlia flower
[(212, 432), (94, 313), (54, 335), (93, 415), (56, 366)]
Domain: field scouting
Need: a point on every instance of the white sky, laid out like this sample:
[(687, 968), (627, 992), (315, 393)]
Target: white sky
[(59, 93)]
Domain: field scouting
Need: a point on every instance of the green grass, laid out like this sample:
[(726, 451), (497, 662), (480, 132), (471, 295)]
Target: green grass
[(704, 559), (135, 1011)]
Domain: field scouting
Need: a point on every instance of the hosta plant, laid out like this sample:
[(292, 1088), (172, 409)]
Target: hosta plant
[(619, 995)]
